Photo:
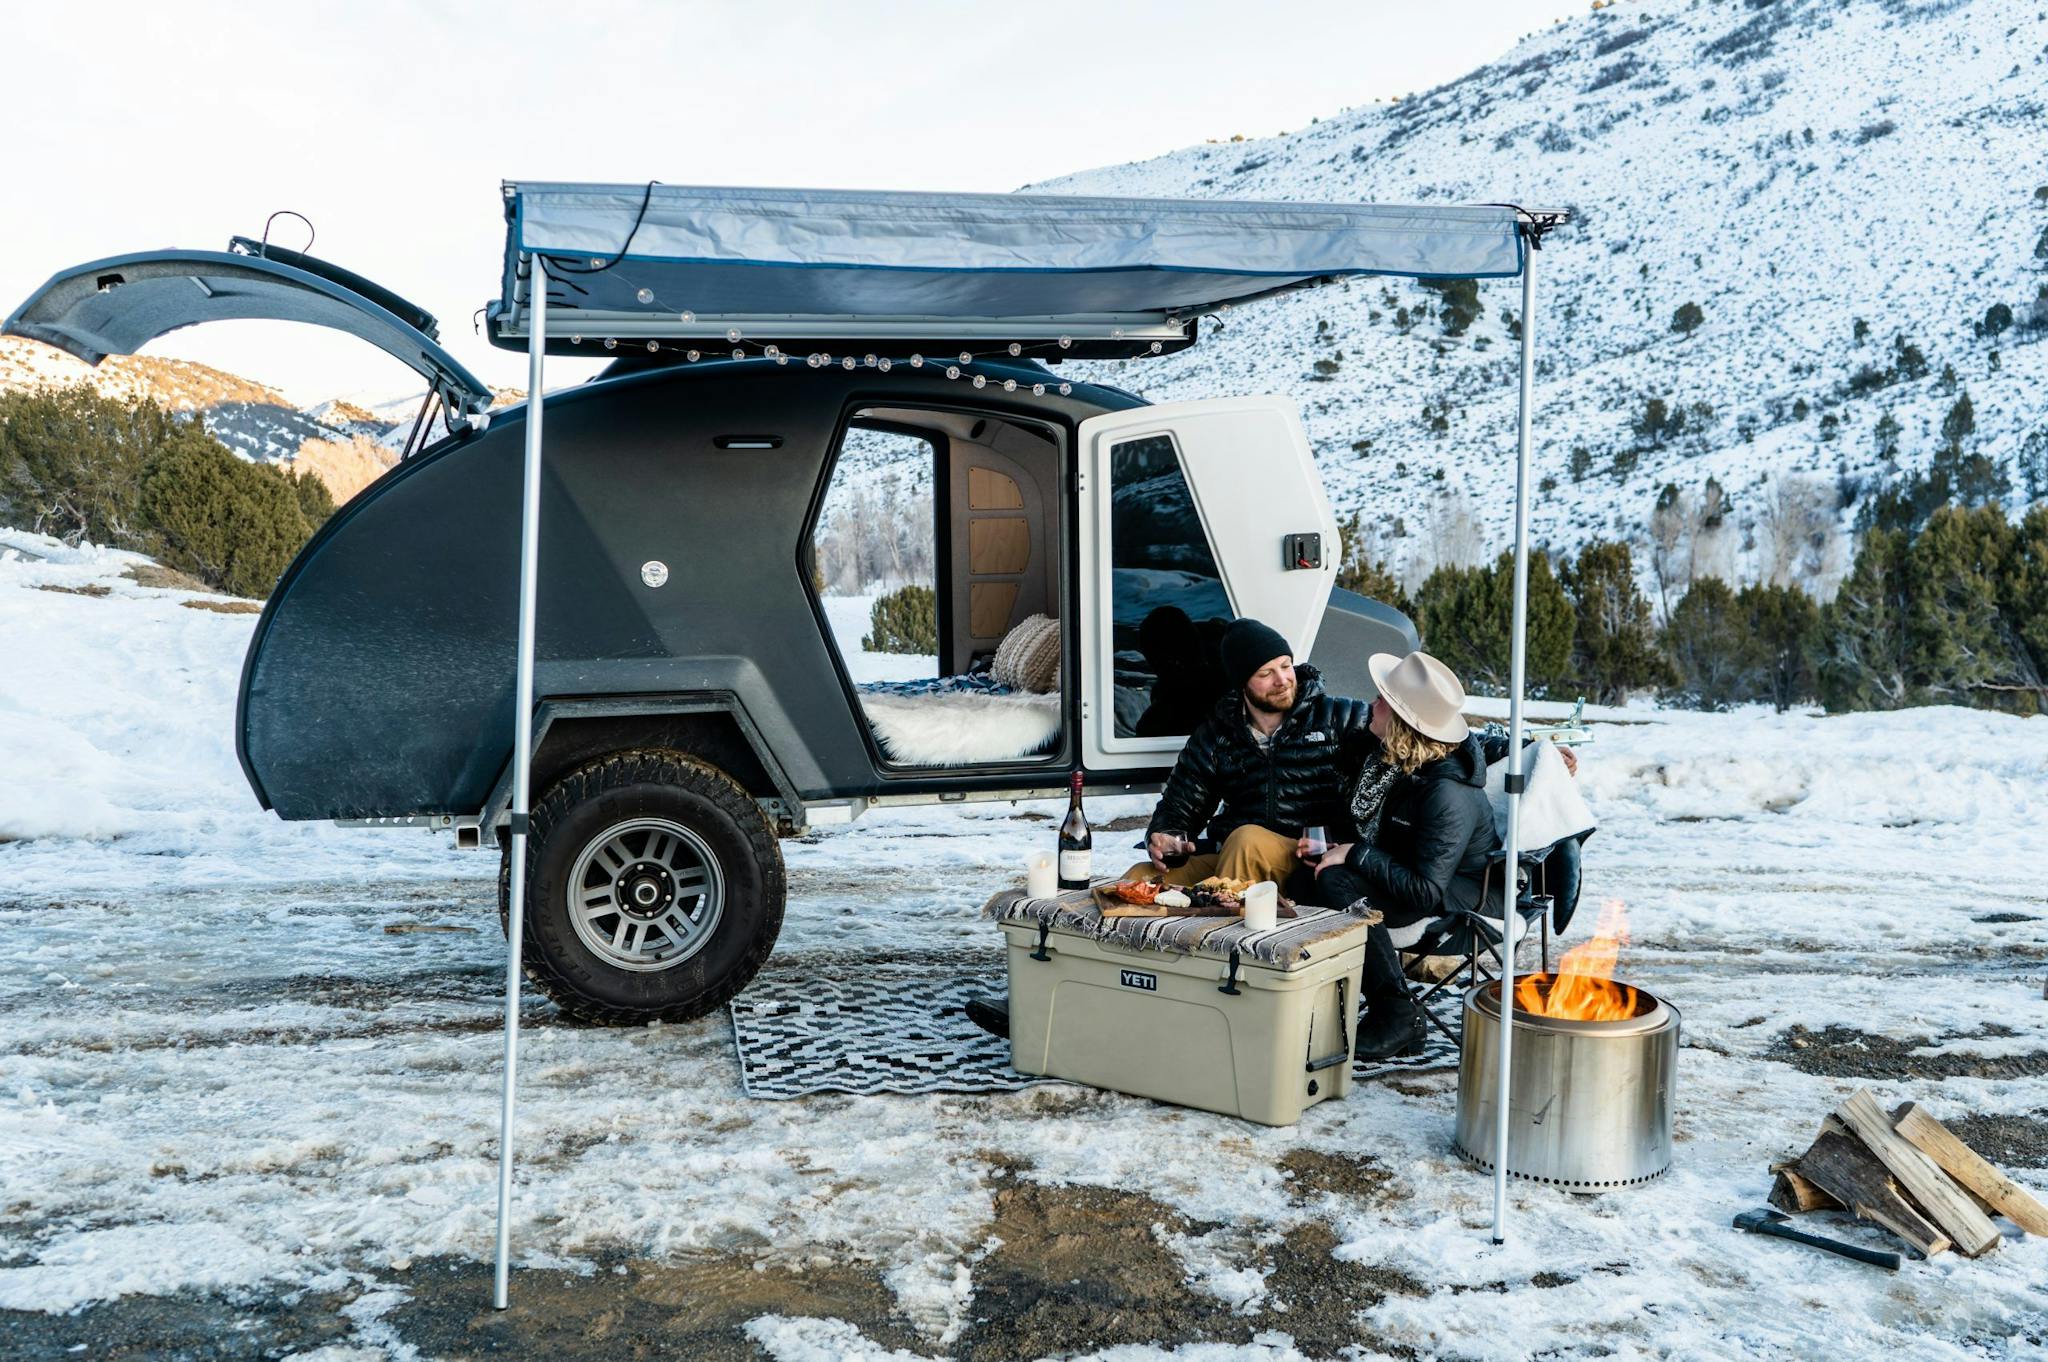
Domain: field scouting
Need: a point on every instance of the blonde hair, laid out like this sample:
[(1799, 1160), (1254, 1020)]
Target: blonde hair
[(1409, 750)]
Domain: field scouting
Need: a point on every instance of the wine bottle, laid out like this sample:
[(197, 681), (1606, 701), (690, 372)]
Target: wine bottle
[(1077, 844)]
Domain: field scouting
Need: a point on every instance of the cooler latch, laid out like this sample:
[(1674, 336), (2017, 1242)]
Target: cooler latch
[(1044, 931), (1230, 983)]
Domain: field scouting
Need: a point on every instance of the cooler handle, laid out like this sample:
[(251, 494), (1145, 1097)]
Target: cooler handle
[(1044, 931), (1343, 1056)]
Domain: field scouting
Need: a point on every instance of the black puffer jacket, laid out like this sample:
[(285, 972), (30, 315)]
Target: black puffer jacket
[(1224, 781), (1435, 833)]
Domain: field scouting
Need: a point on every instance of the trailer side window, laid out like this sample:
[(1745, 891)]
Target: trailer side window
[(1168, 601)]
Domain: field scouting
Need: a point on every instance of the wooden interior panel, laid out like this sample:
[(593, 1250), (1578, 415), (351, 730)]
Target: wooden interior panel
[(989, 605), (997, 545), (988, 490)]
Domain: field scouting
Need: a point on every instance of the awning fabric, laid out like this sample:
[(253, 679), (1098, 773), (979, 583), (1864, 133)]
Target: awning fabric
[(629, 260)]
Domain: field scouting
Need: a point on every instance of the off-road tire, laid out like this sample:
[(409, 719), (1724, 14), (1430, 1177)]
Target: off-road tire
[(647, 783)]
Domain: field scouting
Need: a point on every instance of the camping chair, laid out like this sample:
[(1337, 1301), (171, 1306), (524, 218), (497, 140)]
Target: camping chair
[(1547, 894)]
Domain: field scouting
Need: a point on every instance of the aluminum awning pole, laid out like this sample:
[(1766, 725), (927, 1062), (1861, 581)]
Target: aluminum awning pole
[(522, 751), (1517, 674)]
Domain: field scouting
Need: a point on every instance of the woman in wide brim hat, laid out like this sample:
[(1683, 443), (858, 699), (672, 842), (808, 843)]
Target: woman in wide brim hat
[(1424, 832)]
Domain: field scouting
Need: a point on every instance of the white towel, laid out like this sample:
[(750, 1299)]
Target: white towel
[(1552, 807)]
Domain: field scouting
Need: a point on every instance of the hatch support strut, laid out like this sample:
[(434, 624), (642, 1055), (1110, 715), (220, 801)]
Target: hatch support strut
[(522, 754)]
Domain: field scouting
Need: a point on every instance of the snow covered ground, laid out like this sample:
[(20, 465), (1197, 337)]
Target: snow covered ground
[(249, 1072)]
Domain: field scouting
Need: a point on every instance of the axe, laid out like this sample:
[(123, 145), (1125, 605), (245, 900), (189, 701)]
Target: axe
[(1765, 1220)]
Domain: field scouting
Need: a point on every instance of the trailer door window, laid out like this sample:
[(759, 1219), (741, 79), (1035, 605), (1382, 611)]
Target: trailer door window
[(1168, 603)]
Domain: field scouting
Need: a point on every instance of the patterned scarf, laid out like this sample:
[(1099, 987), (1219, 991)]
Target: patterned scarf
[(1369, 796)]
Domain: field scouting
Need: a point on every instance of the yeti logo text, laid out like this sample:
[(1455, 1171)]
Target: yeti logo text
[(1137, 978)]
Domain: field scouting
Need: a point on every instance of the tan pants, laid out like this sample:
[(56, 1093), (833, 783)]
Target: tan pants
[(1249, 853)]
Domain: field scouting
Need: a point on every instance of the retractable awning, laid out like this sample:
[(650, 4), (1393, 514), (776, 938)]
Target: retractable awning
[(804, 268)]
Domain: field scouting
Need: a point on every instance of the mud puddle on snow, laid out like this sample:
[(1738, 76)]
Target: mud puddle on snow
[(1074, 1269)]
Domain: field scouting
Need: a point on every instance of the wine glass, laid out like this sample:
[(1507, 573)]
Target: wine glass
[(1318, 839)]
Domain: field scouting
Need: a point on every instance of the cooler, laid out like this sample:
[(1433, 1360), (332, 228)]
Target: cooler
[(1197, 1011)]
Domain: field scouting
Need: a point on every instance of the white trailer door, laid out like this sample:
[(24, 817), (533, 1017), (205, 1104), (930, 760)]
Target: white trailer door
[(1186, 513)]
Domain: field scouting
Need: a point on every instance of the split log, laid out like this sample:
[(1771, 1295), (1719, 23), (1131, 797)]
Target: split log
[(1795, 1194), (1968, 1168), (1946, 1204), (1840, 1165)]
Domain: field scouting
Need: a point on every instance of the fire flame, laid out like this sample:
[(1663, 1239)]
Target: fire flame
[(1583, 989)]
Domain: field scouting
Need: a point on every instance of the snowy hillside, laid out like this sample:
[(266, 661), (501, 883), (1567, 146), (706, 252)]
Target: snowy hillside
[(1790, 168)]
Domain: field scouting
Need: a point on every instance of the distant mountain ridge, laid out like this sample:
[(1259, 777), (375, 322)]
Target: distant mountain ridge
[(342, 445)]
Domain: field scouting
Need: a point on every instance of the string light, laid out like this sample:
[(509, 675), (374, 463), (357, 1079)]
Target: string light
[(1066, 342), (814, 359), (733, 334), (868, 360), (772, 351), (883, 364), (693, 356), (917, 361), (846, 363), (1038, 390), (952, 371), (597, 262), (1066, 388), (689, 316), (645, 295), (738, 353), (1016, 349), (1009, 385), (981, 380), (575, 340), (611, 343), (966, 358), (652, 347)]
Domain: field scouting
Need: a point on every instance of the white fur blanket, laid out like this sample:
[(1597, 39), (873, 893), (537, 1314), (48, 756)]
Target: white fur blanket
[(961, 728), (1552, 806)]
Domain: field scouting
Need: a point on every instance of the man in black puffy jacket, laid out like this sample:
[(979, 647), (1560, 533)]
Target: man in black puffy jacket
[(1268, 761)]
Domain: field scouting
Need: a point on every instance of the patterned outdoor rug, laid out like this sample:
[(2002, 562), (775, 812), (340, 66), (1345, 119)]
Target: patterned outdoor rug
[(901, 1030), (1437, 1053), (890, 1030)]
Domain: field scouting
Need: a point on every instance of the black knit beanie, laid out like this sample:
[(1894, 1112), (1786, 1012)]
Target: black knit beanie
[(1247, 646)]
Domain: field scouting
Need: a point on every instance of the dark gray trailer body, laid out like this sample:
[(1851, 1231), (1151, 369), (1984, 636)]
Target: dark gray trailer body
[(378, 683)]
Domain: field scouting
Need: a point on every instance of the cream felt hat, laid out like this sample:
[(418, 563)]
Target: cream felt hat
[(1422, 691)]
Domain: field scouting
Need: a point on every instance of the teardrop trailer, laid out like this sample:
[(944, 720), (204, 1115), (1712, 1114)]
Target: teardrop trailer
[(634, 692)]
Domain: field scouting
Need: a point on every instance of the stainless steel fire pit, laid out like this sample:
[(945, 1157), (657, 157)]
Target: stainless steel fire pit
[(1589, 1105)]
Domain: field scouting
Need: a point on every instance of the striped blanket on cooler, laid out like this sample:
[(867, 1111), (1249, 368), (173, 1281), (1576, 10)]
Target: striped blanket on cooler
[(1293, 943)]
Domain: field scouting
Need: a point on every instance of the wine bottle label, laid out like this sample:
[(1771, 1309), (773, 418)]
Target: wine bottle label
[(1076, 865)]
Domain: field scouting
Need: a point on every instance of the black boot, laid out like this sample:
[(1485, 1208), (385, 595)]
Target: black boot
[(1392, 1026), (990, 1014)]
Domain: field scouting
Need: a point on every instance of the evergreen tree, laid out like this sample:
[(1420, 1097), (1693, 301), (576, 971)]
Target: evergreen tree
[(1687, 319), (1961, 648), (1960, 421), (1780, 644), (1865, 661), (2023, 601), (1614, 643), (1460, 305), (70, 460), (232, 523), (904, 621), (1704, 640), (1466, 616)]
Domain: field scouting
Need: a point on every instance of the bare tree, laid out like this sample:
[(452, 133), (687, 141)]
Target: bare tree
[(1799, 534)]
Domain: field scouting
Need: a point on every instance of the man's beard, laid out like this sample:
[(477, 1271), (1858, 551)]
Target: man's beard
[(1279, 704)]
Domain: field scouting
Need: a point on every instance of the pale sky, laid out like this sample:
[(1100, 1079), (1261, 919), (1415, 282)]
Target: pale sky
[(135, 125)]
